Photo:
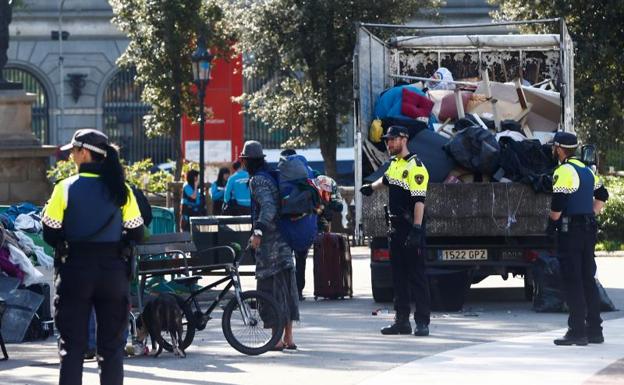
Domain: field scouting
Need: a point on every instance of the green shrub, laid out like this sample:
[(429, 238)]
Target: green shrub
[(138, 174), (611, 221)]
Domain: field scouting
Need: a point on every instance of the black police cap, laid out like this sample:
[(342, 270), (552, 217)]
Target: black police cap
[(395, 131), (565, 140)]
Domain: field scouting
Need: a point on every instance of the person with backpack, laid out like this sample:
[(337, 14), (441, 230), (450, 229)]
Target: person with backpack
[(87, 219), (275, 270)]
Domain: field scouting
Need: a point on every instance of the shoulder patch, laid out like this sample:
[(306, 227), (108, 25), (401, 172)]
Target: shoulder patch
[(419, 178), (555, 178), (404, 174)]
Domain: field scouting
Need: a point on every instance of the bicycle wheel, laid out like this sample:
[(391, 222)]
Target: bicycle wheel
[(188, 327), (255, 336)]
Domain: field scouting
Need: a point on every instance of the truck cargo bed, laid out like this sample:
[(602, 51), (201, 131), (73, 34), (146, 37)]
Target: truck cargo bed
[(470, 209)]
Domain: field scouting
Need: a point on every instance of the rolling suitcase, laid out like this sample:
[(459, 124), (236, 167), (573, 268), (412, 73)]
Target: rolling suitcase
[(332, 266)]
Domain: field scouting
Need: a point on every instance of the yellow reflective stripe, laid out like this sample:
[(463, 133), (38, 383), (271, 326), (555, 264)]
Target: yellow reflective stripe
[(54, 211), (395, 171), (565, 179), (89, 175), (130, 213), (417, 178)]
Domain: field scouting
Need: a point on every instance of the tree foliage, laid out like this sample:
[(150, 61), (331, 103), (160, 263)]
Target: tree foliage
[(163, 35), (305, 49), (597, 30), (139, 174)]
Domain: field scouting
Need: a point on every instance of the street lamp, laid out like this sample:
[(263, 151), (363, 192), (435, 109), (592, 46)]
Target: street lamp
[(201, 59)]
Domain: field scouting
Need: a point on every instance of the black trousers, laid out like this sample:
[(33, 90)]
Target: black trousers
[(300, 267), (83, 283), (408, 278), (578, 270)]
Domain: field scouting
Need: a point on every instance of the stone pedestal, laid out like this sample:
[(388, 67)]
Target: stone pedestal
[(23, 160)]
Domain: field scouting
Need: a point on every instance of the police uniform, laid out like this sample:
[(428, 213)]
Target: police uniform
[(407, 179), (81, 213), (574, 188)]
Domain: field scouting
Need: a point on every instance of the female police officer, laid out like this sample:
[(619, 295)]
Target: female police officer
[(92, 213)]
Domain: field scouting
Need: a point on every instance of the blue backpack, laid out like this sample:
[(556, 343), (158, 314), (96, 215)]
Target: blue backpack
[(299, 201)]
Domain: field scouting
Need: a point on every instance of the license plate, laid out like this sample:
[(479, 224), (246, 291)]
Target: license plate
[(464, 255)]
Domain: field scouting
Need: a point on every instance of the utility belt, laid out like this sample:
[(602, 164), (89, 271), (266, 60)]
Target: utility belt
[(94, 249), (71, 250), (397, 222), (577, 221)]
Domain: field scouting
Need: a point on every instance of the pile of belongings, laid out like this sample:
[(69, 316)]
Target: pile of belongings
[(18, 252), (469, 132)]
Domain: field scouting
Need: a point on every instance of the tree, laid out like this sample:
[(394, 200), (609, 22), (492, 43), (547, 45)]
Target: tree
[(598, 32), (163, 35), (305, 49)]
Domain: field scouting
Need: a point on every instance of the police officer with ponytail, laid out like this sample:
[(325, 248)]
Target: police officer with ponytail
[(92, 213), (578, 196)]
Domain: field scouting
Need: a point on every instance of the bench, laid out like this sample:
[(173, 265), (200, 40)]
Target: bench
[(175, 254)]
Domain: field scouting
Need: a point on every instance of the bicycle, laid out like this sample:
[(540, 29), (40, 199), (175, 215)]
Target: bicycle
[(249, 312)]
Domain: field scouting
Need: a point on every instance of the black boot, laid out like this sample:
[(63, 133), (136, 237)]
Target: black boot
[(571, 339), (422, 330), (594, 336), (401, 325)]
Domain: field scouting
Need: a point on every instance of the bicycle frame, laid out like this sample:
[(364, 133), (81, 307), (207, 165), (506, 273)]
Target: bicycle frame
[(233, 277)]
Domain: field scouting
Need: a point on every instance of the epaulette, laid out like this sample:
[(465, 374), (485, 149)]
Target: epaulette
[(415, 157)]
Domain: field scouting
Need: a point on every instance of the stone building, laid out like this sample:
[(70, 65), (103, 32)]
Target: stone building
[(89, 90)]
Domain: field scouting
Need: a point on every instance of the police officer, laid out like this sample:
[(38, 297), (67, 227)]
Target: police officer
[(578, 196), (407, 180), (92, 213)]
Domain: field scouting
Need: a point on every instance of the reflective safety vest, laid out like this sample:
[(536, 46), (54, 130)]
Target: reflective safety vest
[(407, 179), (578, 182), (81, 206)]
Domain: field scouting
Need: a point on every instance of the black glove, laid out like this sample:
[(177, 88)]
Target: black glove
[(367, 190), (553, 227), (414, 239)]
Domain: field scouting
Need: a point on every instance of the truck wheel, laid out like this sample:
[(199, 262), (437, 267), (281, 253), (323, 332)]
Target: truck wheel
[(383, 294), (448, 290)]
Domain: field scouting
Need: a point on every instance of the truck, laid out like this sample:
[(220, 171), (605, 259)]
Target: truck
[(474, 230)]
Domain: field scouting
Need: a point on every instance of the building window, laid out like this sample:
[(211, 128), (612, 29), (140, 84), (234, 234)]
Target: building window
[(40, 118), (123, 121)]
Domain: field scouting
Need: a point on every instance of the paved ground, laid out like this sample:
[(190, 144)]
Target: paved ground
[(496, 339)]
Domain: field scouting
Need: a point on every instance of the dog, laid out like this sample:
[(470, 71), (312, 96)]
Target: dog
[(162, 314)]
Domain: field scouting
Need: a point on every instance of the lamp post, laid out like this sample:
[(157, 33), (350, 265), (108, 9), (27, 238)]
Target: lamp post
[(201, 59)]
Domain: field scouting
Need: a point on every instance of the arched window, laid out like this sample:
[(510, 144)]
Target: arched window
[(40, 120), (123, 121)]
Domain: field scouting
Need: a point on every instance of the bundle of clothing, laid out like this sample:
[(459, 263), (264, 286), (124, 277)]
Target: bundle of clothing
[(18, 252)]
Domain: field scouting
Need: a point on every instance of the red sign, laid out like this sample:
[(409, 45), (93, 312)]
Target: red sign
[(224, 122)]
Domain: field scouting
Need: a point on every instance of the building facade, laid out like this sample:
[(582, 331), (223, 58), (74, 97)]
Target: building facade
[(78, 83)]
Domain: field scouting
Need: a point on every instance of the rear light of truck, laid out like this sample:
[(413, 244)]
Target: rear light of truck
[(531, 255), (380, 255)]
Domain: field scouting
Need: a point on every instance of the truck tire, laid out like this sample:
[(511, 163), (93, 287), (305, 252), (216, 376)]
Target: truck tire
[(449, 290), (383, 294)]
